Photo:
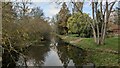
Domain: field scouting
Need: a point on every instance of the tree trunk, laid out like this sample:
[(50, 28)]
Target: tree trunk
[(107, 15), (97, 23), (93, 25), (94, 34), (100, 21), (105, 25)]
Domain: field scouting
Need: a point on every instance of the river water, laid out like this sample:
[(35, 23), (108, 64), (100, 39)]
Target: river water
[(52, 54)]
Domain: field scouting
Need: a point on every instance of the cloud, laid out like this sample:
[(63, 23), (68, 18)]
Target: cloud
[(52, 10), (49, 8)]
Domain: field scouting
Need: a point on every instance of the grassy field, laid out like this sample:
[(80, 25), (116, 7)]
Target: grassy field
[(100, 55)]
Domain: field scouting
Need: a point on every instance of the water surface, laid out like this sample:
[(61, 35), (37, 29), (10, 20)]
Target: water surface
[(52, 54)]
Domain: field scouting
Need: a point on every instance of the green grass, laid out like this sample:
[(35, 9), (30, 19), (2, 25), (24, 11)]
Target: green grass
[(68, 38), (101, 55), (73, 35), (102, 58), (110, 44)]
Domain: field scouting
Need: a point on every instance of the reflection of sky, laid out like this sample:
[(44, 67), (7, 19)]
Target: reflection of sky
[(50, 9), (52, 59)]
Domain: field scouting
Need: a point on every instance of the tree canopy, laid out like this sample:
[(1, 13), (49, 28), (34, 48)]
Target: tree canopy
[(79, 23)]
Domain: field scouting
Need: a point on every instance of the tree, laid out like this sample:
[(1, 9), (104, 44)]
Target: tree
[(8, 29), (79, 24), (19, 33), (22, 8), (115, 16), (100, 20), (37, 12), (0, 22), (78, 6), (62, 19)]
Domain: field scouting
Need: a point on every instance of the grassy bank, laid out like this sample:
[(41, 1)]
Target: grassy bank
[(101, 55)]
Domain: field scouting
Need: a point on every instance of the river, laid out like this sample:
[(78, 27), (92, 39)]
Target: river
[(53, 53)]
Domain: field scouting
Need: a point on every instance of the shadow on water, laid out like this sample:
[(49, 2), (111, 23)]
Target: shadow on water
[(55, 53)]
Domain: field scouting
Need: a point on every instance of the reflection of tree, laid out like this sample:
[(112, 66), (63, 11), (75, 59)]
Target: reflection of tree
[(37, 54), (76, 55), (9, 58), (63, 54), (66, 53)]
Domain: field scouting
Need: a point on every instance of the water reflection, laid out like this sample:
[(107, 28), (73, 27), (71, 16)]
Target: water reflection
[(35, 55), (70, 55), (52, 55)]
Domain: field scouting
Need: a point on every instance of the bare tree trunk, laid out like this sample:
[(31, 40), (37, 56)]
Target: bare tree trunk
[(102, 21), (93, 26), (94, 34), (107, 15), (105, 24), (97, 23), (98, 35)]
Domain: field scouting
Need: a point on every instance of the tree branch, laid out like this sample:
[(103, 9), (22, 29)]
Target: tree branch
[(5, 5), (76, 7)]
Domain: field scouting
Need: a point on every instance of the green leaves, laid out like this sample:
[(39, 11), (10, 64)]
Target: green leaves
[(62, 18), (78, 23)]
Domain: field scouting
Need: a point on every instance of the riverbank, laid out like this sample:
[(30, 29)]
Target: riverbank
[(100, 55)]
